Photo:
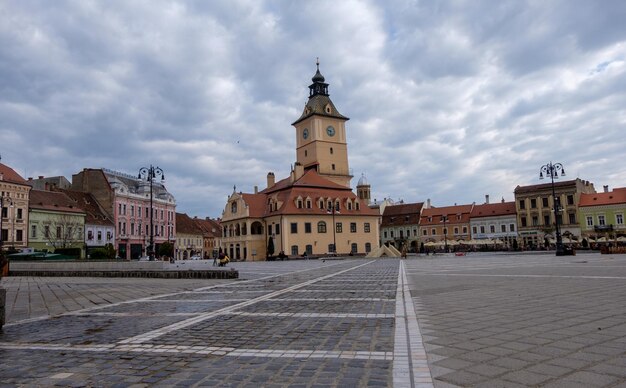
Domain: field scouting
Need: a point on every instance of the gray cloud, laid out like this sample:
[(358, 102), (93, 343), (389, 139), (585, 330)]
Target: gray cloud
[(448, 101)]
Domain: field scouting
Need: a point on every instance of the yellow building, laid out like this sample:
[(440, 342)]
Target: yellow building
[(14, 196), (314, 210)]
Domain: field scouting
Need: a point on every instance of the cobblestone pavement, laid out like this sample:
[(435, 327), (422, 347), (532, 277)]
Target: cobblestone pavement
[(526, 320), (480, 320), (307, 323)]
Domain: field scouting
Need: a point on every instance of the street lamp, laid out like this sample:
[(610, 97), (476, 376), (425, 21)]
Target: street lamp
[(148, 174), (2, 201), (444, 219), (553, 170)]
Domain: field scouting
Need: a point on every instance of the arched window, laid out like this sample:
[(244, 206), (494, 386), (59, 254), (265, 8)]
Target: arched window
[(354, 248), (257, 228), (294, 250), (233, 207), (368, 247), (309, 250), (244, 229), (321, 227)]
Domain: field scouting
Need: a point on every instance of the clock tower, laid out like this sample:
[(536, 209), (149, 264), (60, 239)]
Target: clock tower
[(321, 135)]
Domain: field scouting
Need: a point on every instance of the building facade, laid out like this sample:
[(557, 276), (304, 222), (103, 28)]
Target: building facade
[(496, 222), (14, 197), (602, 215), (445, 226), (55, 222), (211, 234), (99, 228), (189, 238), (313, 211), (400, 226), (134, 204), (535, 211)]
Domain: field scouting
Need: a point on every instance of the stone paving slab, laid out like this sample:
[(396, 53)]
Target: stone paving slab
[(324, 306), (164, 306), (522, 321), (266, 330), (71, 329), (70, 368), (355, 334)]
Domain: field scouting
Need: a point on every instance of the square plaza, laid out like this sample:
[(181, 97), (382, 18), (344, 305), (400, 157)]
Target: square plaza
[(478, 320)]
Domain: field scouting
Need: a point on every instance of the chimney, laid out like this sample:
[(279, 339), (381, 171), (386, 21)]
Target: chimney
[(606, 188), (428, 203), (487, 199), (30, 178), (256, 189), (299, 170), (271, 180)]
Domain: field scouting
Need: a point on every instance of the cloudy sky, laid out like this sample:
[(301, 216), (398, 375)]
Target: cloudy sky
[(448, 100)]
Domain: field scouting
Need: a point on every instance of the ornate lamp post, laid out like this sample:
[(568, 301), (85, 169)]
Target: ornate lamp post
[(552, 170), (148, 174)]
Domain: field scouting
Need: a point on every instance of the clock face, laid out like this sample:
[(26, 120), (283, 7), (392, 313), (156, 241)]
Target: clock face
[(330, 130), (305, 134)]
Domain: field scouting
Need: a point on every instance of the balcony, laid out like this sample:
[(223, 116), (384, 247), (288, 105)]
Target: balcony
[(603, 228)]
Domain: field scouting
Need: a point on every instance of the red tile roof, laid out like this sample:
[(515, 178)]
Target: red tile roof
[(493, 209), (310, 185), (9, 175), (94, 213), (615, 197), (452, 213), (209, 227), (186, 225), (404, 214), (53, 201)]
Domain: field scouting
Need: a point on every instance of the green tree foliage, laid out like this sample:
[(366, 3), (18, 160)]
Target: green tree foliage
[(270, 247), (166, 249)]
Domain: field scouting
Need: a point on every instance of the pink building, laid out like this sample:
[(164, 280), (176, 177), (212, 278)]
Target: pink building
[(127, 200)]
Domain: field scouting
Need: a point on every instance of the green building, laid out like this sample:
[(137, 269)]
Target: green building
[(601, 215), (55, 222)]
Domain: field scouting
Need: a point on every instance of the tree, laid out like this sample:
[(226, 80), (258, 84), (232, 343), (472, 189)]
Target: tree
[(270, 246), (64, 231), (166, 249)]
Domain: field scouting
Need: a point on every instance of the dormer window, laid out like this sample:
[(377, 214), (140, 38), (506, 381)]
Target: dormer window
[(328, 109)]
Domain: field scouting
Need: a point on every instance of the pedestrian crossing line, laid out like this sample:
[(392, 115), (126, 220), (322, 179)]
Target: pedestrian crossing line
[(151, 335), (312, 315), (207, 350)]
